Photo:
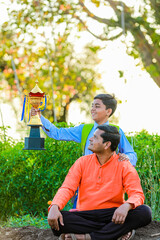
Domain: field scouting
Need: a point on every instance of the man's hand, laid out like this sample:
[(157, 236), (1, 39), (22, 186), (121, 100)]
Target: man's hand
[(35, 111), (123, 157), (120, 213), (53, 217)]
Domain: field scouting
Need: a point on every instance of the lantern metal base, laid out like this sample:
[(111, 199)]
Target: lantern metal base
[(34, 141)]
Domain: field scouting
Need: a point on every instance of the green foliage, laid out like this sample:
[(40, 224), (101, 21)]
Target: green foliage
[(147, 148), (5, 141), (142, 24), (29, 179), (26, 220), (39, 38)]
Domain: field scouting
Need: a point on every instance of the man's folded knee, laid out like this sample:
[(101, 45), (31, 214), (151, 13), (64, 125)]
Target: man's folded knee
[(147, 213)]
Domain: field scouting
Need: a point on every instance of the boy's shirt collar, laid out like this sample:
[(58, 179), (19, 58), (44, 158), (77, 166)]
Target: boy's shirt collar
[(96, 124)]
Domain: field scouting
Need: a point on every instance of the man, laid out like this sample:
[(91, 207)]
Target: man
[(103, 106), (102, 180)]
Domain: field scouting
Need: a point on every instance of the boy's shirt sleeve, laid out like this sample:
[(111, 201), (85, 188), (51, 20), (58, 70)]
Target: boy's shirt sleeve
[(125, 147), (64, 134)]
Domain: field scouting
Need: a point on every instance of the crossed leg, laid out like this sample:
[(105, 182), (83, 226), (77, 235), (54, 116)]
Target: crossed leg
[(98, 224)]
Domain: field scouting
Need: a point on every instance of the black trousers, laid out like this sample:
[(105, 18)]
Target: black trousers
[(99, 225)]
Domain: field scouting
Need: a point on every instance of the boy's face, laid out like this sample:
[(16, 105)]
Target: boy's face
[(99, 112)]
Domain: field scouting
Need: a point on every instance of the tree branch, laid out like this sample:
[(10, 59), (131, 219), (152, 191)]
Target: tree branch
[(116, 4), (132, 25), (96, 36), (101, 20)]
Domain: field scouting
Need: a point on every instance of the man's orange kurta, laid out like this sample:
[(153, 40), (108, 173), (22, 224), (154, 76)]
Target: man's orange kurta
[(100, 186)]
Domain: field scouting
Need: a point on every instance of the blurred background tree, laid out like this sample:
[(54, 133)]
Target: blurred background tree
[(37, 40), (39, 36), (140, 22)]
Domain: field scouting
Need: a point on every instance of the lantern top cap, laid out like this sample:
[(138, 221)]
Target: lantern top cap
[(36, 89)]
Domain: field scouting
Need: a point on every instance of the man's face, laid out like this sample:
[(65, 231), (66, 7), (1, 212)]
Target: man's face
[(96, 142), (99, 112)]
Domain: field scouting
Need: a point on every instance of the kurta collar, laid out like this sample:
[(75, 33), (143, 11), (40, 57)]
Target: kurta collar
[(110, 160)]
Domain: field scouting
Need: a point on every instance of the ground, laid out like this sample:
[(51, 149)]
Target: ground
[(150, 232)]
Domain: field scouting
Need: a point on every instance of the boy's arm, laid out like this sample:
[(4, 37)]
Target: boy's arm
[(66, 134)]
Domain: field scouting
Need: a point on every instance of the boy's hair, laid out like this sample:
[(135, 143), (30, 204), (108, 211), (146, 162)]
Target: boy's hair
[(108, 100), (110, 134)]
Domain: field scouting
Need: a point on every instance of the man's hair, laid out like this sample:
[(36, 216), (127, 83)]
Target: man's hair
[(108, 100), (111, 134)]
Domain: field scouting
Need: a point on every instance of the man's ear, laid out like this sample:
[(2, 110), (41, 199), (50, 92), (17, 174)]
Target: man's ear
[(107, 144), (109, 112)]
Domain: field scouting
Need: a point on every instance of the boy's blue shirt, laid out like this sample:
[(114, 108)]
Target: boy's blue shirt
[(74, 134)]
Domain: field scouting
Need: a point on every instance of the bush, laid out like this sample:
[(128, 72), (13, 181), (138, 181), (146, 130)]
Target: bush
[(147, 148), (29, 179)]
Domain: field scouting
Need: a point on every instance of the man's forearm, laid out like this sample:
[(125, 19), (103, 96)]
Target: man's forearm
[(121, 213)]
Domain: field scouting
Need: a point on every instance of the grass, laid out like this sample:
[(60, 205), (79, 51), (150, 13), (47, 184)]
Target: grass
[(26, 220)]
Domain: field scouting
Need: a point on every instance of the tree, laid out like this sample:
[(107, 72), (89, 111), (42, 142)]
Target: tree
[(41, 52), (143, 22)]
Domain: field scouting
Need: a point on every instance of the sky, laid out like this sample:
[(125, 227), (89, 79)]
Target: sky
[(140, 96)]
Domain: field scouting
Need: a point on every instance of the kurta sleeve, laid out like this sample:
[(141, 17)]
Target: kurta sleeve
[(69, 186), (132, 185)]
